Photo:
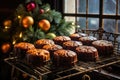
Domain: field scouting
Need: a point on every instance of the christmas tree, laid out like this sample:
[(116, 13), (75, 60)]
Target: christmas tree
[(35, 20)]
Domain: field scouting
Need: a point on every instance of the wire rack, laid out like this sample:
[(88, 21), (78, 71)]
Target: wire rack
[(60, 73)]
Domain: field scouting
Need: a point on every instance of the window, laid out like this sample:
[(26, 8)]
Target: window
[(94, 14)]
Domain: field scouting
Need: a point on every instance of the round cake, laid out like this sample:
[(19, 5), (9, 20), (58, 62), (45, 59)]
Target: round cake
[(60, 39), (76, 36), (41, 42), (71, 45), (37, 57), (104, 47), (21, 48), (64, 58), (51, 48), (87, 53), (87, 40)]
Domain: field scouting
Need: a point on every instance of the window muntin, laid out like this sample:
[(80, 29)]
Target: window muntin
[(93, 6)]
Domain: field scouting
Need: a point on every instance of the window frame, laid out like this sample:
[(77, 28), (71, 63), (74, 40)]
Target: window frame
[(101, 16)]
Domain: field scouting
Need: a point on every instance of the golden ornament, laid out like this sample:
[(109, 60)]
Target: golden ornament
[(44, 24), (5, 47), (50, 35), (27, 21), (7, 23)]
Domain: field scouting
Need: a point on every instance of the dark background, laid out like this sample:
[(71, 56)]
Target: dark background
[(7, 8)]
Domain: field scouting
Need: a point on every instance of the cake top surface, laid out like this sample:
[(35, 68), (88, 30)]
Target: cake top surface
[(24, 45), (82, 34), (38, 52), (52, 47), (44, 41), (62, 38), (102, 43), (72, 43), (65, 53), (91, 38), (86, 49), (74, 35), (78, 35)]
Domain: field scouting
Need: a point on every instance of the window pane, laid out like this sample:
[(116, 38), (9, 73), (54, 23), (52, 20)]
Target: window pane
[(69, 6), (118, 39), (81, 6), (82, 22), (109, 25), (118, 26), (93, 6), (93, 23), (109, 6), (68, 18), (119, 6)]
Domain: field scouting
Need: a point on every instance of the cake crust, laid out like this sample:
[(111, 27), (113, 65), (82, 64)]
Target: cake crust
[(37, 57), (41, 42), (66, 58), (71, 45), (60, 39), (87, 40), (104, 47), (87, 53), (21, 48)]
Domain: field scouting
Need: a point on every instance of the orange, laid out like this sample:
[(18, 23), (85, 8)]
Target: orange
[(44, 24)]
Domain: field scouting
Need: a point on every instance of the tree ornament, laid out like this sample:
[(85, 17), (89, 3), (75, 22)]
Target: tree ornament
[(7, 23), (44, 24), (27, 21), (31, 6), (41, 11), (5, 47), (50, 35)]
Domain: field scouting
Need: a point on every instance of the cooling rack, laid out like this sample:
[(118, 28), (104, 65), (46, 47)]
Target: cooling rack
[(60, 73)]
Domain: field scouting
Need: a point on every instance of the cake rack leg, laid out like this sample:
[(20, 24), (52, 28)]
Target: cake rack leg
[(12, 73)]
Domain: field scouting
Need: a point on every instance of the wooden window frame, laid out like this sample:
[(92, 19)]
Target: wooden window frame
[(101, 16)]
